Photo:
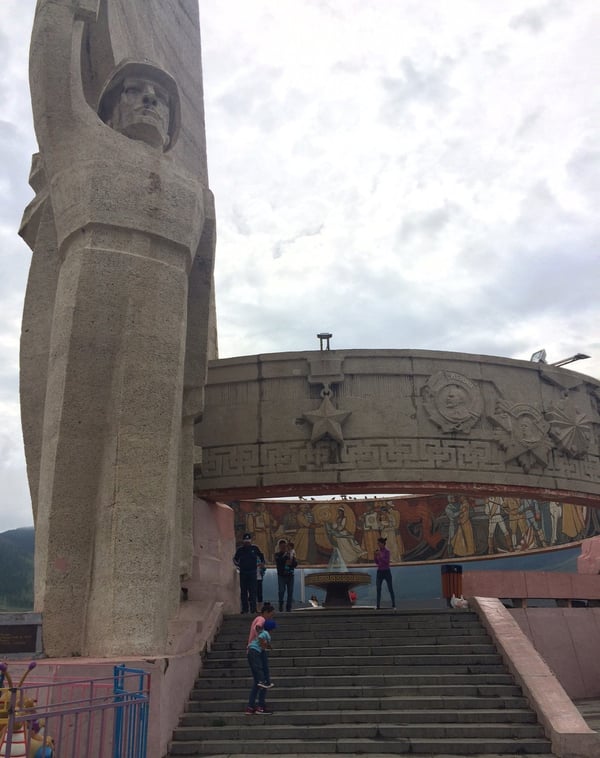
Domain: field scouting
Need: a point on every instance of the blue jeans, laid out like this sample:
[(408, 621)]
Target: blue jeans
[(248, 591), (266, 678), (384, 575), (285, 582), (255, 661)]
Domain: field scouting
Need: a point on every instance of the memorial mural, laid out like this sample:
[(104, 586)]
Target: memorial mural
[(423, 528)]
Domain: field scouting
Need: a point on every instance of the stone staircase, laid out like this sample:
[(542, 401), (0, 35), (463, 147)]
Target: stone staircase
[(362, 681)]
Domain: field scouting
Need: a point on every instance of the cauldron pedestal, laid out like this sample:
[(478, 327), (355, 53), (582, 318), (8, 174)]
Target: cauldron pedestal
[(336, 585)]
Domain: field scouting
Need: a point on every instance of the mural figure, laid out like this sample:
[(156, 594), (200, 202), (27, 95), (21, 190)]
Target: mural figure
[(533, 535), (517, 526), (573, 520), (551, 514), (452, 511), (389, 521), (342, 538), (463, 542), (261, 525), (324, 515), (306, 546), (555, 512), (370, 526), (290, 521), (494, 510)]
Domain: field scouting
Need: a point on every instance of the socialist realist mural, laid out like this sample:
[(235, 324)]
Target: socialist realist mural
[(426, 528)]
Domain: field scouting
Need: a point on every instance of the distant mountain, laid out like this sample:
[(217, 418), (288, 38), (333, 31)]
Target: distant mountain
[(16, 569)]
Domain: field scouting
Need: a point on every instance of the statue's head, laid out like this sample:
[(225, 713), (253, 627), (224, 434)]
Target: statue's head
[(141, 101)]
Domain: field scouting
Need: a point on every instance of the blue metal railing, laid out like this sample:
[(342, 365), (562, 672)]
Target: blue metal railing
[(131, 717), (102, 717)]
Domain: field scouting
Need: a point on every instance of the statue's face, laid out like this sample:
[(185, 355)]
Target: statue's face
[(142, 112)]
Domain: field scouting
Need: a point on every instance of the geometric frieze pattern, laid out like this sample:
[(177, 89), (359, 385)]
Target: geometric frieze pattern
[(379, 454)]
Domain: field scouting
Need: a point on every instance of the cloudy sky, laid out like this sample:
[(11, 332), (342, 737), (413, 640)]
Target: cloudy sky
[(403, 174)]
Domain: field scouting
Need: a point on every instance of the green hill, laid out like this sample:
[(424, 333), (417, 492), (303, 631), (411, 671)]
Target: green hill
[(16, 569)]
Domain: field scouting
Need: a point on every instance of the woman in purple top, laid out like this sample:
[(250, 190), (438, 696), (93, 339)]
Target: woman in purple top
[(384, 573)]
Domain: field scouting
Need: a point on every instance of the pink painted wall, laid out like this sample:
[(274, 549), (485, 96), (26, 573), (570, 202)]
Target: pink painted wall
[(531, 584), (567, 639)]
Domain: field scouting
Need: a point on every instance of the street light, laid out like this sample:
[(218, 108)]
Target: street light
[(572, 359), (540, 357)]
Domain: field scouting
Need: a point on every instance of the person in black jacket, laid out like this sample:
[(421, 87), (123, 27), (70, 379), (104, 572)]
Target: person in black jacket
[(285, 560), (246, 559)]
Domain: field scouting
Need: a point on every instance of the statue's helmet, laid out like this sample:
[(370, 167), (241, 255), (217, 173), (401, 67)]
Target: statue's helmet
[(145, 69)]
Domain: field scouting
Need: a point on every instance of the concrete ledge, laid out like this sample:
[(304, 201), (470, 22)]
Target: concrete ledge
[(563, 724), (522, 585)]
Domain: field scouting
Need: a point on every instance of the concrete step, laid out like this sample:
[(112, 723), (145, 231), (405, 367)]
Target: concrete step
[(347, 716), (359, 691), (380, 755), (260, 727), (281, 649), (350, 683), (231, 705), (353, 675), (283, 673), (288, 640), (352, 623), (430, 747), (356, 686), (349, 622), (289, 661), (352, 626)]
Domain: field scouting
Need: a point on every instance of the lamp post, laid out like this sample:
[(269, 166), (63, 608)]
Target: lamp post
[(572, 359), (540, 357), (324, 338)]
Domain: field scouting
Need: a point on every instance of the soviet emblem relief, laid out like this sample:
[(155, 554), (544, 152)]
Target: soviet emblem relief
[(452, 401), (570, 429), (523, 435)]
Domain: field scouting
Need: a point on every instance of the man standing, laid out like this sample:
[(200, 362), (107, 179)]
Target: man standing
[(384, 573), (246, 560), (286, 562)]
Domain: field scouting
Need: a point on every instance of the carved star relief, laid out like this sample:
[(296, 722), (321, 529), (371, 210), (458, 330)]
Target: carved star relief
[(570, 429), (327, 421)]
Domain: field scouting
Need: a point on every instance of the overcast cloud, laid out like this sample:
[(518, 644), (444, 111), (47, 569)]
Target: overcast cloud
[(403, 174)]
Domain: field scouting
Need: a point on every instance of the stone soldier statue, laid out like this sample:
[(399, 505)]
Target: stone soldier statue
[(118, 320)]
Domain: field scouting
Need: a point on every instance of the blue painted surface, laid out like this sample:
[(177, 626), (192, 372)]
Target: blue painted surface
[(421, 585)]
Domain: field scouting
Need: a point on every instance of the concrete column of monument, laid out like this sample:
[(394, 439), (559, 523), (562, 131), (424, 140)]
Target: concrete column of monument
[(122, 233)]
